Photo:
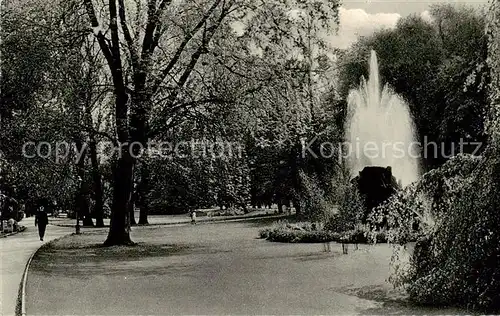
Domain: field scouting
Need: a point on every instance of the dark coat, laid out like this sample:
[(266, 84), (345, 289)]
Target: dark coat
[(41, 218)]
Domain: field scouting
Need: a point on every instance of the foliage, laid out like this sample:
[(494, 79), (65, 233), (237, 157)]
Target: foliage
[(363, 235), (302, 232), (317, 205), (45, 89), (423, 206), (315, 232), (453, 211), (293, 55), (232, 211), (198, 180), (351, 209)]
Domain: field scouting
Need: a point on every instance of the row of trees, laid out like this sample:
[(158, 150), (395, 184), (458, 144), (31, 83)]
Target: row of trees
[(137, 72), (260, 77)]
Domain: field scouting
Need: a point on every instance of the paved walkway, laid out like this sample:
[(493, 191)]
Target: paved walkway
[(15, 251), (220, 269), (178, 219)]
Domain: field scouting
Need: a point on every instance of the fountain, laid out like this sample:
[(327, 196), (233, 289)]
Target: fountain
[(380, 129), (381, 134)]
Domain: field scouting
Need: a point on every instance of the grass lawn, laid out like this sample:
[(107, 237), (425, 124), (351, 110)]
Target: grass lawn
[(210, 269)]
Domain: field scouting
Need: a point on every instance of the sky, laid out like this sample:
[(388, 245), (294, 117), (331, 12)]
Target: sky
[(363, 17)]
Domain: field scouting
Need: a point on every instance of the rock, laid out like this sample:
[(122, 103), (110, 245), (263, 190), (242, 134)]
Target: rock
[(376, 185)]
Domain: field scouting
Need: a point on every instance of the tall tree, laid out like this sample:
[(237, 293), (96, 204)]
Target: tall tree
[(144, 79), (138, 61)]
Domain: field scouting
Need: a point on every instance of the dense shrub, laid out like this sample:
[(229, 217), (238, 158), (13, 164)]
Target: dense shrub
[(231, 211), (315, 232), (292, 236), (421, 207), (456, 260), (305, 232), (350, 210), (317, 202)]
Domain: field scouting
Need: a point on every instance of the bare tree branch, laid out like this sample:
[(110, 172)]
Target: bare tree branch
[(151, 36), (102, 40), (126, 33), (182, 46), (176, 111)]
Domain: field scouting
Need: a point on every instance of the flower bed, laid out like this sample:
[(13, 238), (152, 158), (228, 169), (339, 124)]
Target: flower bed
[(306, 232)]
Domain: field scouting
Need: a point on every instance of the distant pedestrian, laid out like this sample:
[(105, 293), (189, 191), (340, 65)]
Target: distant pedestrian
[(326, 246), (193, 217), (41, 220)]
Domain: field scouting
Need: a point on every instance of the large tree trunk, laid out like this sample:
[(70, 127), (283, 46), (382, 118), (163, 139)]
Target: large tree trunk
[(131, 208), (123, 177), (144, 194), (297, 163), (82, 202), (298, 209), (123, 171), (98, 211), (87, 217)]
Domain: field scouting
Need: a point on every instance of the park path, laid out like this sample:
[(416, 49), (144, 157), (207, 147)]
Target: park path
[(15, 252), (215, 269), (182, 218), (219, 269)]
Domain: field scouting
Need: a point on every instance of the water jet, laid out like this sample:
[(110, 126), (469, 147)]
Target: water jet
[(381, 134)]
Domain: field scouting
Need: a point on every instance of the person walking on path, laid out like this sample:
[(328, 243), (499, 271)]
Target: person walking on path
[(41, 220), (193, 217)]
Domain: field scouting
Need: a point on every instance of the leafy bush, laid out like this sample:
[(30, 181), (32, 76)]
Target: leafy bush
[(305, 232), (292, 236), (350, 210), (454, 211), (315, 232), (232, 211), (316, 200), (421, 207)]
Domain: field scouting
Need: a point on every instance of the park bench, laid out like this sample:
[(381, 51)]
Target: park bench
[(9, 226)]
